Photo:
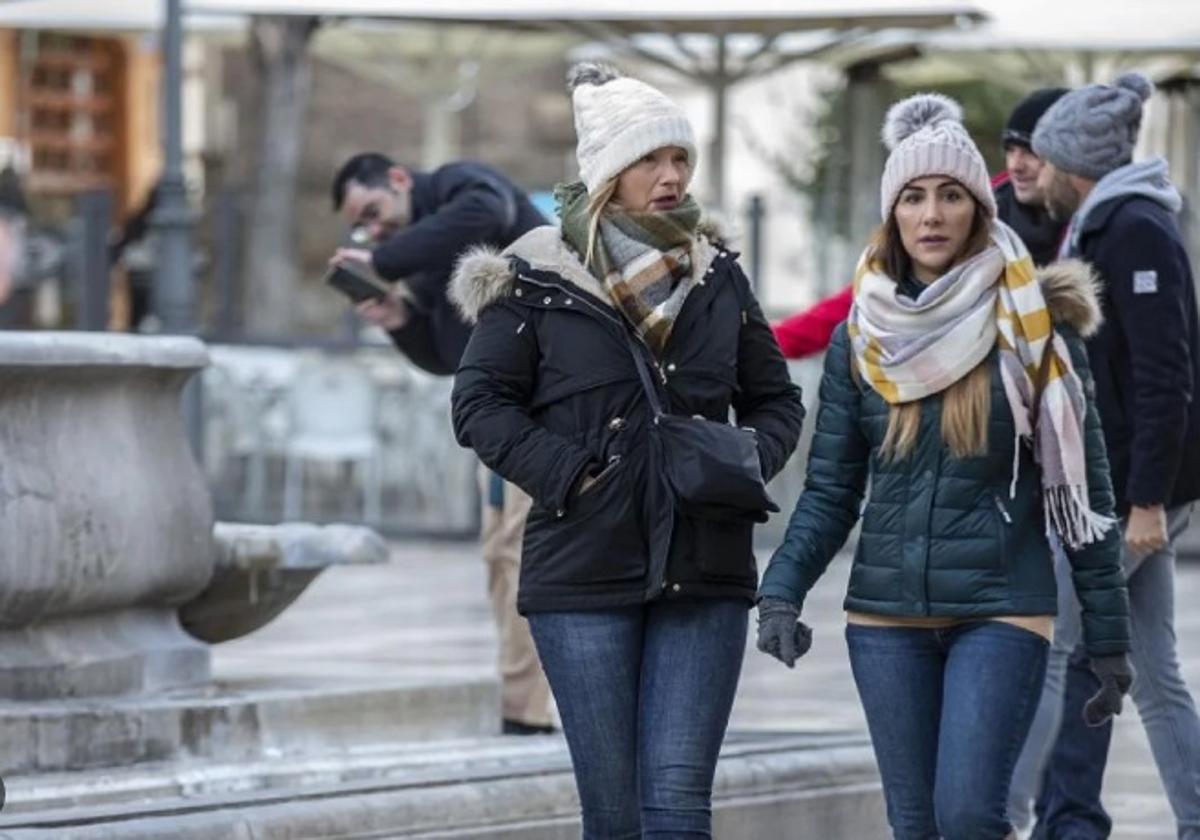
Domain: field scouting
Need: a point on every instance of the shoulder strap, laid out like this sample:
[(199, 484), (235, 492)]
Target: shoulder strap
[(643, 369)]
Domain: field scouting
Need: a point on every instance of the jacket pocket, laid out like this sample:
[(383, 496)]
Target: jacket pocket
[(597, 539), (605, 476)]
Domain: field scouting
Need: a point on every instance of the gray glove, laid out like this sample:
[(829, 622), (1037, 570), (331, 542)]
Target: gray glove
[(1116, 676), (781, 633)]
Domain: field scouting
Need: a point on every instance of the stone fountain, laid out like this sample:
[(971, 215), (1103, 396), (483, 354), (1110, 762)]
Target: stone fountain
[(115, 581)]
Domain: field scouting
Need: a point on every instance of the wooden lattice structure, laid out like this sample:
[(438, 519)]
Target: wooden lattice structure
[(70, 112)]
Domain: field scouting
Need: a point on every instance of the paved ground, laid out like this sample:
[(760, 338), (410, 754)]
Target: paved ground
[(426, 614)]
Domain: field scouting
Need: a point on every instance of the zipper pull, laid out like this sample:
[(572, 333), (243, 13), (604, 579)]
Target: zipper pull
[(661, 373), (1003, 510)]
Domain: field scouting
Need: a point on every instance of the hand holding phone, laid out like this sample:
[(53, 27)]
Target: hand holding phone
[(376, 302), (355, 284)]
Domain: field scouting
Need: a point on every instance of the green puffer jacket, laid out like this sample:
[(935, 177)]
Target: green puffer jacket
[(941, 535)]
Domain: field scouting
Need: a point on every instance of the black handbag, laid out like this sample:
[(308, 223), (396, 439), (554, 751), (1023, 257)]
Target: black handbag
[(711, 469)]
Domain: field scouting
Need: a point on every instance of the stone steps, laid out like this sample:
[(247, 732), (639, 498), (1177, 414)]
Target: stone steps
[(194, 780), (768, 785), (241, 721)]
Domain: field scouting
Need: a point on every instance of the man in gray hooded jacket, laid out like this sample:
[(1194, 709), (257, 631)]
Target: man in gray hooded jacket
[(1146, 364)]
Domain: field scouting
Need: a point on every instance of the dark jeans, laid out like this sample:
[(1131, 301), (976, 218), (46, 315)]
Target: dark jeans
[(948, 711), (644, 694), (1068, 807)]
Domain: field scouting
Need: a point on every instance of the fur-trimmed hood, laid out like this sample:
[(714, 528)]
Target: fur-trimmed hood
[(1072, 293), (484, 274)]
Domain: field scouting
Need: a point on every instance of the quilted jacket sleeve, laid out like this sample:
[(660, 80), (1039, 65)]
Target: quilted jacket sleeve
[(1096, 568), (833, 489)]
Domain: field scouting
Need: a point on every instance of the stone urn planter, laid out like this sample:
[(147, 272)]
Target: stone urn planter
[(105, 520)]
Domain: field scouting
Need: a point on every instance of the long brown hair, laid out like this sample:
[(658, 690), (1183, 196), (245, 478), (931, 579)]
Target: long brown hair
[(967, 403)]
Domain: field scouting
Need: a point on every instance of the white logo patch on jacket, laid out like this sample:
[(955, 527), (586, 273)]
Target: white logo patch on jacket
[(1145, 282)]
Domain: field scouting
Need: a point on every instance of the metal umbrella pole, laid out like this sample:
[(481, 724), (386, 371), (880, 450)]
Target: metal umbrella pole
[(174, 285)]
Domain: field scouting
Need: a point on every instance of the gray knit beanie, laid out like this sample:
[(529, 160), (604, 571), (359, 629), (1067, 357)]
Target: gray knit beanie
[(619, 119), (1092, 131), (926, 137)]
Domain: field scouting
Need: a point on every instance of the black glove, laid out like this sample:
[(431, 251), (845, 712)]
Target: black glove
[(781, 633), (1116, 676)]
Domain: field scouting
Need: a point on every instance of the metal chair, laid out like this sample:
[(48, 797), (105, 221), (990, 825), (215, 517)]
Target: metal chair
[(332, 414)]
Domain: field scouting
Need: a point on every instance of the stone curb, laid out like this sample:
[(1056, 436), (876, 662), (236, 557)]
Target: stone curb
[(768, 785)]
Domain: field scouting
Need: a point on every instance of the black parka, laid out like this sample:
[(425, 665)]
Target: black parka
[(547, 390)]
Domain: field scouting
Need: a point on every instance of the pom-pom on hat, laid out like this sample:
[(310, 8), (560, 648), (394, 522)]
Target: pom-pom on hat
[(1092, 130), (619, 119), (925, 136)]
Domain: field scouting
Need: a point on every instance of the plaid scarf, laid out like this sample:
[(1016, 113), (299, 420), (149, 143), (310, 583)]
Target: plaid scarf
[(907, 350), (643, 259)]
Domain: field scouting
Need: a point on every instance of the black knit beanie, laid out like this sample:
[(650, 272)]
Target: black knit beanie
[(1024, 117)]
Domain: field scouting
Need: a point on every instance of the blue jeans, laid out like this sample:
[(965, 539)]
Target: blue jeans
[(1074, 756), (644, 694), (948, 711)]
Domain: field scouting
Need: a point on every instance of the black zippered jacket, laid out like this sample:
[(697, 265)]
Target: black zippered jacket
[(548, 389), (1146, 356)]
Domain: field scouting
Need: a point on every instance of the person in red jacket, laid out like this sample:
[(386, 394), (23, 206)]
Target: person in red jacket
[(1018, 204)]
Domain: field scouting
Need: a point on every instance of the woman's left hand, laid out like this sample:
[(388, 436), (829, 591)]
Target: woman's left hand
[(781, 633), (1116, 676)]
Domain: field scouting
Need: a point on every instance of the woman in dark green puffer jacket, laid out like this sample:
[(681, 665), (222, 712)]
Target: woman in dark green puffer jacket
[(959, 386)]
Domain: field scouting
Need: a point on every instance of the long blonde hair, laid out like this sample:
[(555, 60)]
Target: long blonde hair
[(597, 201), (967, 403)]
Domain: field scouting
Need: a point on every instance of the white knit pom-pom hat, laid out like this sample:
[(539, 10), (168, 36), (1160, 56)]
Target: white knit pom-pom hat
[(926, 137), (619, 119)]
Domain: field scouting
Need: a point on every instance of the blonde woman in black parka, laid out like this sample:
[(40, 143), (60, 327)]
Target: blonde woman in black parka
[(638, 607)]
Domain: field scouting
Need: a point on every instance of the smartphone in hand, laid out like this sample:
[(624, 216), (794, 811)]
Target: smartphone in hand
[(355, 285)]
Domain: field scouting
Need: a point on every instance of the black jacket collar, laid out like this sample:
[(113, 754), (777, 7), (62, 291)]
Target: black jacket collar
[(423, 195)]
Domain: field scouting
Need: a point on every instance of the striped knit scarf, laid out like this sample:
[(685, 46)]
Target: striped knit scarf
[(643, 259), (910, 349)]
